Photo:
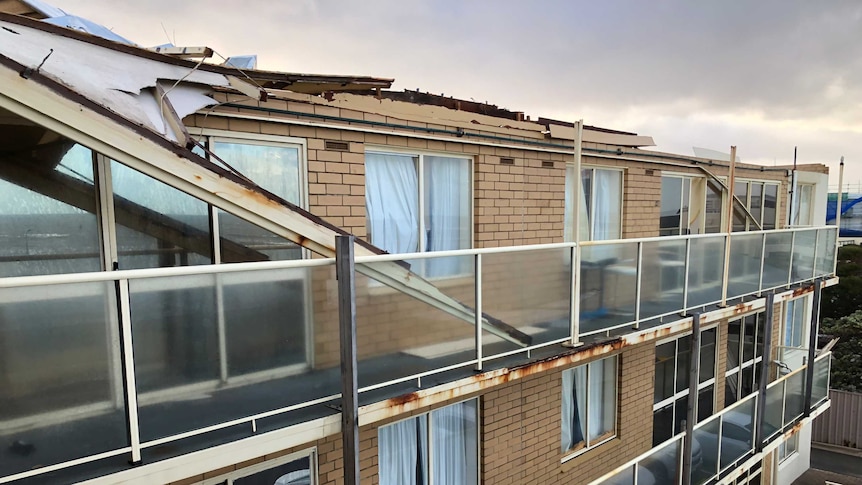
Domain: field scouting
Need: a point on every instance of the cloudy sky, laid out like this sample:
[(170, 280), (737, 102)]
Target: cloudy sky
[(766, 75)]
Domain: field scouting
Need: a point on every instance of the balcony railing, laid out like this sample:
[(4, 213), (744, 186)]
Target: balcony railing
[(727, 439), (97, 368)]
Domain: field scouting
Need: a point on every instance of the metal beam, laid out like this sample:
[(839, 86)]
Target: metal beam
[(691, 415), (344, 272), (764, 370)]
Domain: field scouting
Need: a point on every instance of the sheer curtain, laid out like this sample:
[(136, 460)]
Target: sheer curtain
[(574, 407), (601, 395), (454, 448), (391, 200), (403, 452), (606, 205), (447, 212), (583, 206)]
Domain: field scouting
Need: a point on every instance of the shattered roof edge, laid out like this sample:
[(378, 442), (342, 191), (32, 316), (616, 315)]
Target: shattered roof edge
[(181, 152), (148, 54)]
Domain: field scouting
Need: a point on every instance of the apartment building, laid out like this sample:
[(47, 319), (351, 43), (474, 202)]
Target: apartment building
[(536, 301)]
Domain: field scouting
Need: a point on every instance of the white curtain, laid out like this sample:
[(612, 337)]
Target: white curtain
[(606, 209), (275, 167), (403, 452), (584, 221), (455, 447), (601, 395), (391, 202), (447, 212), (574, 407)]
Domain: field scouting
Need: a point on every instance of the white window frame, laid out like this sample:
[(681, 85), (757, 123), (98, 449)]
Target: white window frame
[(570, 218), (781, 453), (430, 437), (574, 452), (420, 167), (677, 395), (228, 478), (747, 201), (743, 365), (696, 204)]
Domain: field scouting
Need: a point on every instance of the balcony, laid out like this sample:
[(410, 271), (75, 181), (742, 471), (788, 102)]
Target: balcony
[(727, 439), (98, 369)]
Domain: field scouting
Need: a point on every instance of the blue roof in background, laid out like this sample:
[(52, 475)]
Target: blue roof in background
[(60, 17)]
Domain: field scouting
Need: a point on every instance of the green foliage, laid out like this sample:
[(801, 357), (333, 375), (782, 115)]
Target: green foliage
[(841, 310), (847, 355)]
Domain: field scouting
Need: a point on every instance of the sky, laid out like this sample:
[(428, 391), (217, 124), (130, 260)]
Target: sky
[(765, 76)]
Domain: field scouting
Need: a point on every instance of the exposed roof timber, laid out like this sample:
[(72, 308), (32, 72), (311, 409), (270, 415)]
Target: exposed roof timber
[(309, 83), (471, 106), (738, 205), (61, 109)]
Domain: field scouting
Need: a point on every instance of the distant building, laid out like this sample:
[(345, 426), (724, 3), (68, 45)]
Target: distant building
[(169, 307)]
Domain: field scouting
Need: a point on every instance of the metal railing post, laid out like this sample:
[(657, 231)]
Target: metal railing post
[(691, 416), (812, 347), (477, 287), (345, 274), (687, 269), (128, 359), (768, 315)]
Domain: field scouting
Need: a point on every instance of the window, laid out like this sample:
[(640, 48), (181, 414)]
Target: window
[(437, 448), (274, 164), (672, 367), (793, 334), (744, 353), (294, 469), (788, 447), (803, 202), (589, 409), (600, 204), (761, 199), (418, 203)]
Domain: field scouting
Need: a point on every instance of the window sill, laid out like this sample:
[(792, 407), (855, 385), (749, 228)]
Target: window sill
[(578, 452)]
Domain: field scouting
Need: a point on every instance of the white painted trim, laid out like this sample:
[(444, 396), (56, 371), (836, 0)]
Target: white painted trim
[(200, 462)]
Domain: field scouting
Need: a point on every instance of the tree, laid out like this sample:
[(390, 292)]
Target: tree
[(841, 309), (847, 355)]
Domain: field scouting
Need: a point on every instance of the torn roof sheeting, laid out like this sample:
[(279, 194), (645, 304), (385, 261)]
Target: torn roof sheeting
[(95, 94), (113, 79)]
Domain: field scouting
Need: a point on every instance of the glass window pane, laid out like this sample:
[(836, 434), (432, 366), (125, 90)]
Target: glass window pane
[(61, 391), (402, 449), (683, 362), (749, 330), (756, 204), (447, 212), (273, 167), (686, 206), (574, 408), (297, 472), (241, 241), (587, 204), (740, 191), (707, 355), (664, 371), (705, 400), (392, 202), (770, 204), (714, 207), (47, 205), (606, 211), (662, 425), (454, 447), (734, 334), (157, 225), (671, 208), (602, 405)]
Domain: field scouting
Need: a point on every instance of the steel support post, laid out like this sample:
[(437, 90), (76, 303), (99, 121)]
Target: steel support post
[(344, 272), (691, 415), (764, 371)]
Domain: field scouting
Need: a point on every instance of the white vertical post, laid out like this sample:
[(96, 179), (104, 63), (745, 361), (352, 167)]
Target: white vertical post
[(576, 271), (129, 369), (477, 285), (728, 225)]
